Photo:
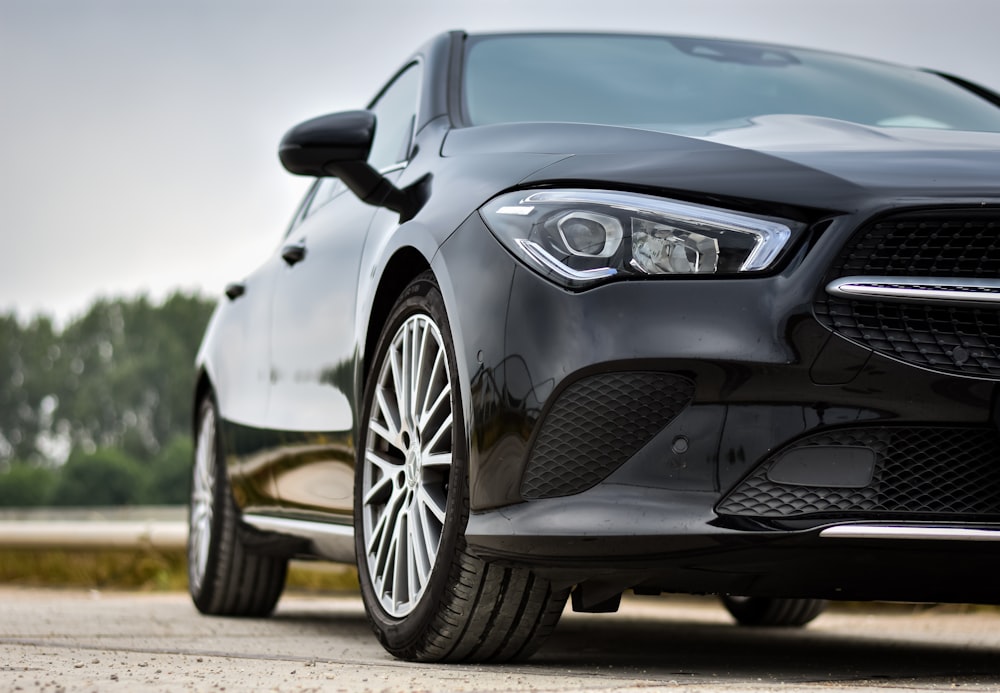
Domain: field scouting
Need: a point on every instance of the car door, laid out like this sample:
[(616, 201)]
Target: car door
[(313, 345)]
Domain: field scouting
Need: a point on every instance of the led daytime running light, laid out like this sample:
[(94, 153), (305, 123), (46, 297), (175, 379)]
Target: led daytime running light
[(771, 236)]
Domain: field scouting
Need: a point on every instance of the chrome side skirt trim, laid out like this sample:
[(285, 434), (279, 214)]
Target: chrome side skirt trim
[(330, 541), (918, 289), (905, 532)]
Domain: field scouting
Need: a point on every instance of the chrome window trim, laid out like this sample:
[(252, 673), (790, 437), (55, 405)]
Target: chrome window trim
[(415, 125), (394, 167)]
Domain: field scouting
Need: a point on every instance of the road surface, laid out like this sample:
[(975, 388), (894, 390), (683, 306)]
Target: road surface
[(84, 641)]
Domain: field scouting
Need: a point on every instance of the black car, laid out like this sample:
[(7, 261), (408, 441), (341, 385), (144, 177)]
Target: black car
[(566, 315)]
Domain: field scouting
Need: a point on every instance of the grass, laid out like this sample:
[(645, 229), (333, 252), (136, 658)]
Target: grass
[(151, 570), (144, 569)]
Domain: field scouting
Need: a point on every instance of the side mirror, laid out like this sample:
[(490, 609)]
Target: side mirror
[(312, 148), (338, 145)]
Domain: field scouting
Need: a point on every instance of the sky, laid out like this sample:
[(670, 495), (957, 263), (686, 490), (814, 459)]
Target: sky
[(138, 138)]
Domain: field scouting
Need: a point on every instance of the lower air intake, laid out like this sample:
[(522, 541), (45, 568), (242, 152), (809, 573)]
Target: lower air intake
[(920, 471), (595, 425)]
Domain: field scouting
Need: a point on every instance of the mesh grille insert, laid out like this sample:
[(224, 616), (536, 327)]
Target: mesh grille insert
[(918, 470), (938, 243), (598, 423)]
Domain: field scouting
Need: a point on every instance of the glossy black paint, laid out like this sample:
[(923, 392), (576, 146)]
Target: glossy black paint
[(308, 148), (288, 360), (755, 367)]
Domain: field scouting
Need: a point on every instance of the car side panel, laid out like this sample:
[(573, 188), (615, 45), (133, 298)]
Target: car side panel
[(313, 358), (234, 355)]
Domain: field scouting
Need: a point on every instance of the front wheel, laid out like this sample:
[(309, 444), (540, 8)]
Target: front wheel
[(764, 611), (428, 598)]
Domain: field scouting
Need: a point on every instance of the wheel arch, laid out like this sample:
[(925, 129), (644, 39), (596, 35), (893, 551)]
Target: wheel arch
[(203, 386), (402, 268)]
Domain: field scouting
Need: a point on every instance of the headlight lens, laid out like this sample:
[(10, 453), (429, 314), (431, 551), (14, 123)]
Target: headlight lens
[(582, 237)]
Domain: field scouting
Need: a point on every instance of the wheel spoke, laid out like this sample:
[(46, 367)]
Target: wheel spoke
[(437, 459), (388, 471), (391, 430), (419, 538), (437, 507), (432, 538), (202, 479), (425, 410), (422, 382), (444, 427), (386, 525), (399, 582), (413, 582), (396, 369), (417, 336), (385, 575), (384, 433), (200, 512), (408, 379), (378, 546), (201, 496)]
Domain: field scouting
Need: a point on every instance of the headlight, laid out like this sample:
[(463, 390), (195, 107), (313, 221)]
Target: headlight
[(582, 237)]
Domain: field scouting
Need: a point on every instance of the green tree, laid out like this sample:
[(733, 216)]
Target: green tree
[(26, 485), (105, 477), (131, 372), (121, 375), (111, 391), (30, 372), (168, 481)]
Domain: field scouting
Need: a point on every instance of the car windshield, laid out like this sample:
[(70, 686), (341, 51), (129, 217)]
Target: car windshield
[(694, 86)]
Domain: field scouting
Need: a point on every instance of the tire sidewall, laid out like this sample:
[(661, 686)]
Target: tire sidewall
[(402, 635)]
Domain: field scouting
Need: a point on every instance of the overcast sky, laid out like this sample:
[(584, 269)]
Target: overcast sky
[(138, 137)]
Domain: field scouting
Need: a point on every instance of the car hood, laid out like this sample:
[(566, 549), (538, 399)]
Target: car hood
[(798, 160)]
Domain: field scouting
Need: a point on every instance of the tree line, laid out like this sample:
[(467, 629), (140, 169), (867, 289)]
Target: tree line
[(99, 412)]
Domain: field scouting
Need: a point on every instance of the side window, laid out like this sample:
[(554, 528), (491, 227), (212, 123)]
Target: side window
[(326, 189), (395, 113)]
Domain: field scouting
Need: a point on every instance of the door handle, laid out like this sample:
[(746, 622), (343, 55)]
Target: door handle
[(294, 253)]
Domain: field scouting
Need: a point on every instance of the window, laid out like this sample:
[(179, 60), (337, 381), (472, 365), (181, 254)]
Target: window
[(326, 188), (395, 113), (696, 86)]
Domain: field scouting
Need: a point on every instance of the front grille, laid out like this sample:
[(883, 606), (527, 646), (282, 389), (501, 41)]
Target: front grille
[(942, 243), (596, 424), (938, 471)]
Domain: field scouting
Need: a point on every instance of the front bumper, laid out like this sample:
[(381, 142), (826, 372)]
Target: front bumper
[(743, 377), (617, 537)]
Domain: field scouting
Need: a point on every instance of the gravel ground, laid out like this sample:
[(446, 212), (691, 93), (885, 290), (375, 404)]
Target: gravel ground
[(90, 641)]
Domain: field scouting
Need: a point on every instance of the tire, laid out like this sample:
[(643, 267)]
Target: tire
[(428, 599), (764, 611), (224, 578)]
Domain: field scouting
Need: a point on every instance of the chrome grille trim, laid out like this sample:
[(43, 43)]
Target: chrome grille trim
[(917, 289), (910, 532)]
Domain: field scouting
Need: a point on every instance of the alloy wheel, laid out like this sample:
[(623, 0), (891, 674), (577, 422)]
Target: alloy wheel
[(407, 464), (202, 496)]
